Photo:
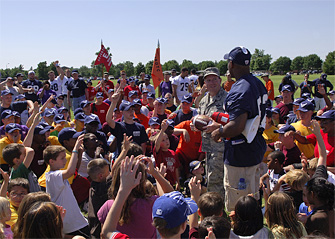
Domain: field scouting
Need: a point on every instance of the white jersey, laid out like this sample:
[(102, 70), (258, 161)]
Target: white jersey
[(194, 80), (56, 86), (182, 86), (65, 82)]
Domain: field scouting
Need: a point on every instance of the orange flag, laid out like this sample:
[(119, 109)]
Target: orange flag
[(156, 72)]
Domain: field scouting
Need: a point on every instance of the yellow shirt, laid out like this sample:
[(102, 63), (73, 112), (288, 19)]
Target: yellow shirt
[(270, 137), (54, 140), (3, 143), (307, 149), (42, 180), (13, 217)]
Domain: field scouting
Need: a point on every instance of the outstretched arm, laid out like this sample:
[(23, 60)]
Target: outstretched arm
[(109, 116)]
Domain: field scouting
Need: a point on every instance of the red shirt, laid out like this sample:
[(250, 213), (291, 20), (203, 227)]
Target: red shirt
[(329, 142), (170, 161), (128, 88), (143, 119), (91, 93), (104, 94), (269, 87), (109, 83), (100, 111)]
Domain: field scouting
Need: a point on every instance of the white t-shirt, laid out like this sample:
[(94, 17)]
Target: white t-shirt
[(149, 87), (65, 82), (83, 165), (62, 195), (194, 80), (182, 86)]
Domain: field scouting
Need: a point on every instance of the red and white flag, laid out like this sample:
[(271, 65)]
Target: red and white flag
[(156, 72), (104, 58)]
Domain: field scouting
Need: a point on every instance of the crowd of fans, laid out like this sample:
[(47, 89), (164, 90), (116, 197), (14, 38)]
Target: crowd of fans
[(129, 163)]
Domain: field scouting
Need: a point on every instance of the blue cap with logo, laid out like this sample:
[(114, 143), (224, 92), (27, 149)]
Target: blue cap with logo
[(125, 105), (16, 114), (173, 208), (49, 112), (137, 102), (297, 101), (84, 103), (80, 116), (161, 100), (145, 90), (60, 110), (239, 55), (306, 106), (331, 92), (330, 114), (6, 92), (90, 119), (194, 165), (324, 76), (275, 110), (306, 95), (78, 110), (11, 127), (46, 125), (20, 97), (67, 133), (6, 114), (286, 87), (187, 98), (132, 93), (59, 118), (131, 79), (153, 120), (39, 129), (170, 123), (285, 128), (151, 95), (99, 95)]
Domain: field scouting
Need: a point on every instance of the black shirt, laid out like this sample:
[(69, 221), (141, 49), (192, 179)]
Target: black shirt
[(77, 87), (36, 85)]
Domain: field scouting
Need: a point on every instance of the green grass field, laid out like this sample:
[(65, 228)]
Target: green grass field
[(275, 78)]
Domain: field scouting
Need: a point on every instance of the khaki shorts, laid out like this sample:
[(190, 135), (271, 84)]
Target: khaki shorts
[(231, 179)]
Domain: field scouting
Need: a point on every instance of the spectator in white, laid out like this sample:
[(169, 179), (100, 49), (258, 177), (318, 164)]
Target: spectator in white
[(147, 85), (55, 85), (181, 85), (15, 89), (78, 89), (63, 80), (194, 79), (32, 83), (320, 102), (173, 74)]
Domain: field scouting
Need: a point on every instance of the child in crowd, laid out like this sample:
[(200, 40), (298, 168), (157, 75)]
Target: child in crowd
[(136, 216), (286, 145), (281, 217), (5, 215), (275, 170), (59, 188), (196, 169), (20, 158), (170, 132), (163, 154), (98, 171), (59, 124), (247, 220), (153, 125), (218, 226)]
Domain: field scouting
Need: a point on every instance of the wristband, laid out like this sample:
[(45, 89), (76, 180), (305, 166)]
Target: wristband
[(74, 151)]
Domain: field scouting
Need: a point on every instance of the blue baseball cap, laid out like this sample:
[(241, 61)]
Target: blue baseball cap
[(286, 87), (173, 208), (285, 128), (330, 114), (323, 76), (268, 112), (84, 103), (99, 95), (19, 74), (170, 123), (275, 110), (332, 92), (49, 112), (131, 79), (306, 106), (146, 77), (16, 114), (125, 105), (110, 91), (59, 118), (75, 71), (279, 96), (11, 127), (78, 110), (5, 92), (194, 165), (60, 110), (297, 101), (90, 119), (131, 93), (145, 90), (161, 100), (187, 98), (39, 129), (20, 97), (80, 116), (67, 133), (239, 55), (154, 120), (6, 114), (46, 125), (151, 95), (311, 100), (137, 102), (307, 95)]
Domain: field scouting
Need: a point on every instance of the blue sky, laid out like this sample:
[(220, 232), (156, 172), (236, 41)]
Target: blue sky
[(70, 31)]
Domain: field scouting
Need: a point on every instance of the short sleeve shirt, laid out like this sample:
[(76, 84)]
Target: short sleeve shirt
[(182, 86), (77, 87), (36, 85)]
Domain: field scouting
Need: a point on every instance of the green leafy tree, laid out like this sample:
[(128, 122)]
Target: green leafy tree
[(297, 63), (42, 70), (282, 64), (139, 68), (205, 64), (169, 65), (84, 71), (329, 64), (129, 68), (312, 61), (260, 61), (188, 64), (222, 66), (148, 67)]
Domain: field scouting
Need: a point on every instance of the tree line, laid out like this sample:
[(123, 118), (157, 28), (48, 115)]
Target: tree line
[(259, 62)]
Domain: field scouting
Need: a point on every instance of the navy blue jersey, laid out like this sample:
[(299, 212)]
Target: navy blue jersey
[(326, 84), (77, 87), (247, 95), (306, 87), (36, 85), (136, 130)]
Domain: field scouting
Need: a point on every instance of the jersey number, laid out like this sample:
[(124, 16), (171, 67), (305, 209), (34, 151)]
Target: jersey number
[(184, 86)]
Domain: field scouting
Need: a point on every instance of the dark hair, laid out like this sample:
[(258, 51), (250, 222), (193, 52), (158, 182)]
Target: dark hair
[(184, 69), (20, 182), (201, 80), (46, 83), (95, 166), (279, 155), (160, 225), (134, 149), (52, 152), (11, 152), (87, 137), (51, 72), (248, 217), (323, 190), (193, 71), (221, 227), (211, 204)]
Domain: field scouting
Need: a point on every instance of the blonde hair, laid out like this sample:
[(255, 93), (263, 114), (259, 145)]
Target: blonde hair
[(312, 164), (280, 215), (4, 206), (296, 179)]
